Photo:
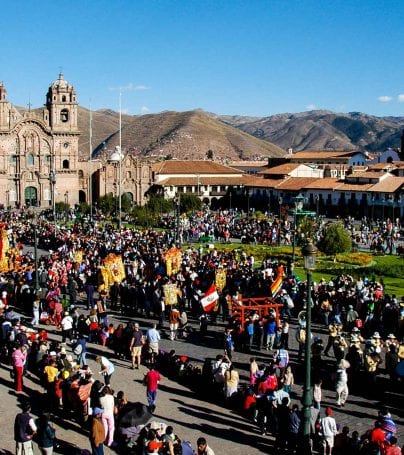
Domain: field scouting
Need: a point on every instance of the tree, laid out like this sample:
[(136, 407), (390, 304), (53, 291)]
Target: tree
[(126, 203), (308, 228), (84, 208), (158, 205), (189, 202), (61, 207), (335, 239), (107, 203)]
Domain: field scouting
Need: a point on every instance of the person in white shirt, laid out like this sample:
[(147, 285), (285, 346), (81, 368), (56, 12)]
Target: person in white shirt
[(108, 403), (328, 431), (67, 327), (107, 368)]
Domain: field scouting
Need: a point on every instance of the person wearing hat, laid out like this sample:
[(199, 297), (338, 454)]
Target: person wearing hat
[(341, 386), (391, 339), (332, 333), (67, 326), (328, 430), (377, 342), (372, 360), (97, 432), (391, 361), (351, 317)]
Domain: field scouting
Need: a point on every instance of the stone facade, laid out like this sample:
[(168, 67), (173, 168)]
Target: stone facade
[(39, 156)]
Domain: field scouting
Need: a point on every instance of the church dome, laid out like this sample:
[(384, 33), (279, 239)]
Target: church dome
[(60, 83)]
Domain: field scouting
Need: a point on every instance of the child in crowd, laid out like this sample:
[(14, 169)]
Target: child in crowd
[(288, 380)]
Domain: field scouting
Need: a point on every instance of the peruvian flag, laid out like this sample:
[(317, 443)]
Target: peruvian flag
[(209, 299)]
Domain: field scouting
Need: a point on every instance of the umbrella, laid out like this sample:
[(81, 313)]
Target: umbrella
[(187, 448), (134, 414)]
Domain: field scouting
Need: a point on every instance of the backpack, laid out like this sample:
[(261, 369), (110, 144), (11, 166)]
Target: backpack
[(78, 349)]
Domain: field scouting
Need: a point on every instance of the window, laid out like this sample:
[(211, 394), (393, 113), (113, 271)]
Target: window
[(64, 115), (66, 164), (81, 174), (30, 159), (63, 99), (13, 159)]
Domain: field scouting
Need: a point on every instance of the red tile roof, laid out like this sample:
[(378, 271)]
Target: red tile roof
[(193, 167), (322, 154), (282, 169), (388, 185), (193, 181), (295, 183)]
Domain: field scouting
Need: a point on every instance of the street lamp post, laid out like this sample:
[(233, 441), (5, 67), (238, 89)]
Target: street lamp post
[(309, 256), (248, 204), (177, 221), (280, 200), (116, 158), (67, 205), (373, 209), (317, 204), (120, 163), (36, 255), (52, 179), (298, 206)]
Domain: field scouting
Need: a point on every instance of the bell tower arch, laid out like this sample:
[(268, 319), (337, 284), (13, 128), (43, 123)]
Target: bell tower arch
[(61, 102)]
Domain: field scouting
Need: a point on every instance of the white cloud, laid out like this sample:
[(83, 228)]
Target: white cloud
[(131, 87), (400, 98), (385, 99), (144, 110), (311, 107)]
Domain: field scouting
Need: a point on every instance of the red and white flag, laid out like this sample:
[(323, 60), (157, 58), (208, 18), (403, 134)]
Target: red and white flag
[(209, 299)]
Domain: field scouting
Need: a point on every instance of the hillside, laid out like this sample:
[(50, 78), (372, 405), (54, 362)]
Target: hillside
[(177, 134), (322, 130)]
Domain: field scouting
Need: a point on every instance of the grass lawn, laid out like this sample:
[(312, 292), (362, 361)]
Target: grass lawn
[(389, 268)]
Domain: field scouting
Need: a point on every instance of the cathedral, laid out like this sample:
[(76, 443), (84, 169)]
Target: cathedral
[(39, 157)]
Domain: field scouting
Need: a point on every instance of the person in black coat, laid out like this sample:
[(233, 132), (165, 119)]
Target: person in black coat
[(46, 434)]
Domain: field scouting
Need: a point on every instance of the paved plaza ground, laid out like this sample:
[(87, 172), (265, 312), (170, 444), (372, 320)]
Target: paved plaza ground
[(191, 416)]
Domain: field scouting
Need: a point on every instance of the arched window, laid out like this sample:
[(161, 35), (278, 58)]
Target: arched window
[(66, 164), (64, 115), (81, 174), (63, 99), (128, 174), (30, 159)]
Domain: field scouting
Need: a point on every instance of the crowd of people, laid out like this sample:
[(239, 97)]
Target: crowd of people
[(364, 323)]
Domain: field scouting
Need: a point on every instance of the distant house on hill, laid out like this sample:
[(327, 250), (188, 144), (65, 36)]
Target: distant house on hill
[(388, 156), (352, 158)]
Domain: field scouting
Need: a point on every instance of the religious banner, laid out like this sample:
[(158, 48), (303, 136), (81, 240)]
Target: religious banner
[(170, 294), (220, 279), (112, 270), (172, 258), (78, 256), (4, 250)]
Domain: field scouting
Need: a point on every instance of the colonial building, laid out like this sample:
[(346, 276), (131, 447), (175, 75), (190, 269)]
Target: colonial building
[(208, 180), (39, 156)]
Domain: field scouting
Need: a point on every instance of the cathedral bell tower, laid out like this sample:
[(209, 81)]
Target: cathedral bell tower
[(61, 102), (4, 108)]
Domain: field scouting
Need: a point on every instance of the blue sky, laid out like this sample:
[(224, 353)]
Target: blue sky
[(228, 57)]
